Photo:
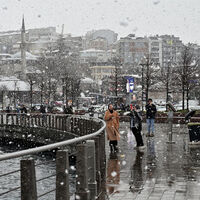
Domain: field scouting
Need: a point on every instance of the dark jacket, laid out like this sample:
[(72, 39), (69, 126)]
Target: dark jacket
[(150, 111), (42, 109), (68, 110), (135, 120), (8, 109), (23, 109)]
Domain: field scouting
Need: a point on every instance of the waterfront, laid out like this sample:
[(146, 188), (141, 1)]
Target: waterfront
[(45, 166)]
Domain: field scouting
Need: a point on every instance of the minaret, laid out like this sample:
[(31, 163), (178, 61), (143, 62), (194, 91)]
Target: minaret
[(23, 49)]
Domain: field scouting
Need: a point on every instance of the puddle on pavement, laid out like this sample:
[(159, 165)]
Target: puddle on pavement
[(160, 163)]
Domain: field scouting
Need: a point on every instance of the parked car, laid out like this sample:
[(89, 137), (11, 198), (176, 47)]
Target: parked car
[(79, 112), (57, 109)]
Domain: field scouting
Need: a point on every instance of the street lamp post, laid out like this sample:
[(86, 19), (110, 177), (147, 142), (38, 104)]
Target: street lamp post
[(31, 92)]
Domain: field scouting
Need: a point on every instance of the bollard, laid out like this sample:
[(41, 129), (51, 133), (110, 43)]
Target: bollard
[(170, 127), (92, 184), (102, 165), (97, 155), (28, 180), (62, 175), (82, 191)]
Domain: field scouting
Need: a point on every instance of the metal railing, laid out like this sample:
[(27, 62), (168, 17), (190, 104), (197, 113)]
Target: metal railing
[(90, 157)]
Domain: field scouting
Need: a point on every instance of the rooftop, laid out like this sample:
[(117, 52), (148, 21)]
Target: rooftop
[(13, 84)]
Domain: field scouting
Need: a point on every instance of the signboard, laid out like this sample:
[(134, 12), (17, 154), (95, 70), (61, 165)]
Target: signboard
[(129, 84)]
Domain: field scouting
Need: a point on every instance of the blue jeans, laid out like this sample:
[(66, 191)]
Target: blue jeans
[(150, 125)]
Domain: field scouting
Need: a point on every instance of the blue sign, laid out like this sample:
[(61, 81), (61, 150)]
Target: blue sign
[(129, 84)]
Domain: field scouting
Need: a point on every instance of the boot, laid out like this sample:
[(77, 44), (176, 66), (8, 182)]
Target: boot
[(116, 148), (112, 150)]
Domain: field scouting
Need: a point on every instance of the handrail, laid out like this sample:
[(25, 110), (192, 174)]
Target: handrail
[(52, 146)]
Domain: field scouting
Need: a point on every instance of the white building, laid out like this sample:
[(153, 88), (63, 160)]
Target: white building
[(109, 35), (99, 72), (132, 49), (155, 50), (95, 55)]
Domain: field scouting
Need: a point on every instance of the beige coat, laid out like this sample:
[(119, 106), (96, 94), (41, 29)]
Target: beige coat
[(112, 125)]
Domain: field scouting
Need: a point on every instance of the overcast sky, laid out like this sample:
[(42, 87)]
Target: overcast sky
[(142, 17)]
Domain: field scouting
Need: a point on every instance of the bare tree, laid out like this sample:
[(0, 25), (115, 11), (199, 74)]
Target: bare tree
[(167, 78), (32, 79), (149, 75), (49, 78), (116, 74), (70, 76), (75, 88), (186, 70)]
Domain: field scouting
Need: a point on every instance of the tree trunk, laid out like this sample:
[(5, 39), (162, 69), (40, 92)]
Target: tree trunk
[(147, 94), (167, 93), (2, 99), (116, 81), (66, 90), (167, 86), (187, 97), (63, 91), (142, 87), (41, 96), (49, 93), (31, 93), (183, 97), (147, 83)]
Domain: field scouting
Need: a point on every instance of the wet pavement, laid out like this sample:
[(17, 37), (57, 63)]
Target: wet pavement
[(161, 172)]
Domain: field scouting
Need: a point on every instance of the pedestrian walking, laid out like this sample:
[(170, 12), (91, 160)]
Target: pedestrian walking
[(42, 109), (23, 109), (43, 112), (136, 125), (68, 110), (150, 116), (8, 109), (112, 127)]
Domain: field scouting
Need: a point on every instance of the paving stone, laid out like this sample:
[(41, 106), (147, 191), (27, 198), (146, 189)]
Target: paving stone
[(161, 172)]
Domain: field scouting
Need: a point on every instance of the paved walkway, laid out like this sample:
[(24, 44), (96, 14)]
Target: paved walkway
[(162, 172)]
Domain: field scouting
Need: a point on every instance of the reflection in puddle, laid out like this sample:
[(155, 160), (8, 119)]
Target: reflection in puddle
[(151, 157), (113, 173), (130, 140), (136, 182), (160, 166)]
